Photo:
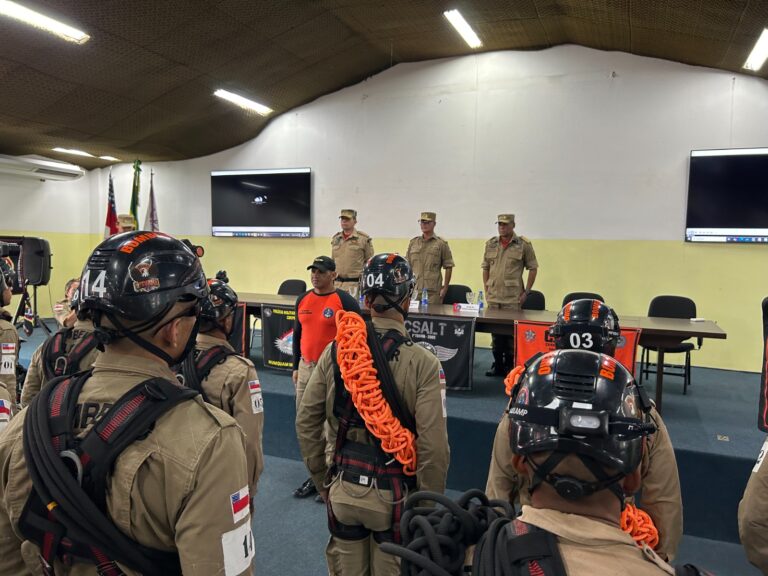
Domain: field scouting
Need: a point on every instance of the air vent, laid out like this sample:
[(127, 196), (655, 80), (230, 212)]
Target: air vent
[(100, 259), (574, 386)]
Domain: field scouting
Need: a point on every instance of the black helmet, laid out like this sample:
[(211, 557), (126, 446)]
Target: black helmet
[(221, 301), (139, 276), (389, 276), (8, 273), (587, 324), (581, 403)]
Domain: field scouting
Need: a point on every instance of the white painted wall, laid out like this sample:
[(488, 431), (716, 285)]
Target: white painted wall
[(579, 143)]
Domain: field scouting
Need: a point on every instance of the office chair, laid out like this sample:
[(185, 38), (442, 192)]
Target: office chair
[(666, 306), (292, 287), (456, 294), (534, 301)]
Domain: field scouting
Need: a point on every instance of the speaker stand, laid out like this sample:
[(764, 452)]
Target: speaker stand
[(29, 324)]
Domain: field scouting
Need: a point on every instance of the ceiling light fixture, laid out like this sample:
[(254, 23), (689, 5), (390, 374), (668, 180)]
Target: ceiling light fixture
[(72, 151), (759, 53), (109, 158), (243, 102), (19, 12), (463, 28)]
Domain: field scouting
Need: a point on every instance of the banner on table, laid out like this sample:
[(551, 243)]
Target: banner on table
[(277, 336), (452, 340)]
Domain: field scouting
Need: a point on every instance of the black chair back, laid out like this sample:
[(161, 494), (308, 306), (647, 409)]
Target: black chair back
[(666, 306), (765, 318), (534, 301), (456, 294), (292, 287), (580, 296)]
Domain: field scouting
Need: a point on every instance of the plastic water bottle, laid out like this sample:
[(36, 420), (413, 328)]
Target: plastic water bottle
[(480, 300), (424, 297)]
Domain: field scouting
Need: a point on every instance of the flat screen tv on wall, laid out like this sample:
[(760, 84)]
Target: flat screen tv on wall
[(261, 203), (728, 196)]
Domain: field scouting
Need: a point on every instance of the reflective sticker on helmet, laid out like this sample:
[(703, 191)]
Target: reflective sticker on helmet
[(595, 309), (372, 280), (545, 366), (97, 287), (144, 275), (608, 368), (130, 245), (581, 340)]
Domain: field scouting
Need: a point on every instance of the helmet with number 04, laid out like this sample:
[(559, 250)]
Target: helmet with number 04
[(587, 324), (387, 275), (139, 276)]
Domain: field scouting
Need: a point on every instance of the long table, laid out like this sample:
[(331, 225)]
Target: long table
[(661, 333)]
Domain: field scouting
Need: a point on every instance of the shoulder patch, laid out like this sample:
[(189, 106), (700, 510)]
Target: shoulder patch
[(524, 239)]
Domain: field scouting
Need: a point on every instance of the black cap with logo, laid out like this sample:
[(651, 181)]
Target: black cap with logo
[(323, 263)]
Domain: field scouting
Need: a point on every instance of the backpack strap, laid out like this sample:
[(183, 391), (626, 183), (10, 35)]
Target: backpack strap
[(197, 366), (55, 362), (66, 512)]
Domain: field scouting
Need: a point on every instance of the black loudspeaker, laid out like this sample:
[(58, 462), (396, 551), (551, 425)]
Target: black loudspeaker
[(36, 261)]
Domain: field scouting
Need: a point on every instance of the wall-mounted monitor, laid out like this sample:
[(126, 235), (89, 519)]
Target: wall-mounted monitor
[(728, 196), (261, 203)]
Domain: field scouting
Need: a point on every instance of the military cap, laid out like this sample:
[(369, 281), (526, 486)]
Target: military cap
[(428, 216), (348, 213), (505, 219)]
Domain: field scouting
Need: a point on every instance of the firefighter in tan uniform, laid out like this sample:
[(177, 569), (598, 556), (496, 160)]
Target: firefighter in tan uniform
[(224, 378), (63, 312), (176, 497), (365, 488), (428, 254), (78, 349), (350, 249), (753, 514), (594, 326), (9, 347), (577, 476), (505, 258)]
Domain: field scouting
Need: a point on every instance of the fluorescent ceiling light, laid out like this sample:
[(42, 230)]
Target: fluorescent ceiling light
[(19, 12), (458, 22), (759, 53), (109, 158), (243, 102), (73, 151)]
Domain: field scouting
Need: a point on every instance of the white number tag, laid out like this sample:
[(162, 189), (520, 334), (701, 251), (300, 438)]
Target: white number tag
[(581, 340), (98, 287), (372, 280)]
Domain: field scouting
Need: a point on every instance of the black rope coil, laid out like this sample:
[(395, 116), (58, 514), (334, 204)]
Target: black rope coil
[(436, 538)]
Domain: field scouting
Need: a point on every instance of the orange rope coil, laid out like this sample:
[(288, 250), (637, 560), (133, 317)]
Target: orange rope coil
[(512, 378), (359, 375), (639, 525)]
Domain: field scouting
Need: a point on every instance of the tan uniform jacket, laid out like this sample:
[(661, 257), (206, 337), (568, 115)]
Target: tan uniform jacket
[(170, 491), (351, 254), (660, 482), (9, 357), (234, 387), (753, 514), (35, 378), (416, 373), (428, 257), (593, 548), (61, 310), (505, 268)]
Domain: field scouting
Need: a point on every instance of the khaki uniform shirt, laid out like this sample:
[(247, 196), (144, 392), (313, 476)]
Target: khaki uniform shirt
[(35, 378), (753, 514), (591, 547), (234, 387), (9, 357), (660, 488), (351, 254), (505, 268), (169, 491), (417, 375), (428, 257)]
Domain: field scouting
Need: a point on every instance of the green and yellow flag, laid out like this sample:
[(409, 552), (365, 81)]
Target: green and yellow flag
[(135, 193)]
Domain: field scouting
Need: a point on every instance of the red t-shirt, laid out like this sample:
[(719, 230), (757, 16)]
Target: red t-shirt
[(316, 322)]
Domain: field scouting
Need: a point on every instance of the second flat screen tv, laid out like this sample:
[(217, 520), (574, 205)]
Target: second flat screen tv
[(261, 203)]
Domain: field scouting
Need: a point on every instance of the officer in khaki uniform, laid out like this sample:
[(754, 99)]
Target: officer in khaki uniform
[(578, 480), (350, 249), (428, 254), (62, 310), (504, 259), (363, 505), (36, 373), (9, 347), (753, 514), (233, 384), (125, 223), (183, 487), (658, 468)]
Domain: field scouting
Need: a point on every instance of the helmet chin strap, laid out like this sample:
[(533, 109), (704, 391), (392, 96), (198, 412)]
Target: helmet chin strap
[(381, 308), (572, 488), (134, 337)]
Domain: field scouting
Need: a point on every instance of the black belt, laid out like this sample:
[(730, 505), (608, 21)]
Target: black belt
[(347, 279)]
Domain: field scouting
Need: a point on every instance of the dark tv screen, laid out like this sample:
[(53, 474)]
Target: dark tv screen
[(728, 196), (261, 203)]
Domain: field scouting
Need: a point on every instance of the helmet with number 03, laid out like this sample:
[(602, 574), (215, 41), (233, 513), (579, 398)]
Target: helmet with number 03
[(581, 403), (587, 324), (139, 276), (221, 301), (389, 276)]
